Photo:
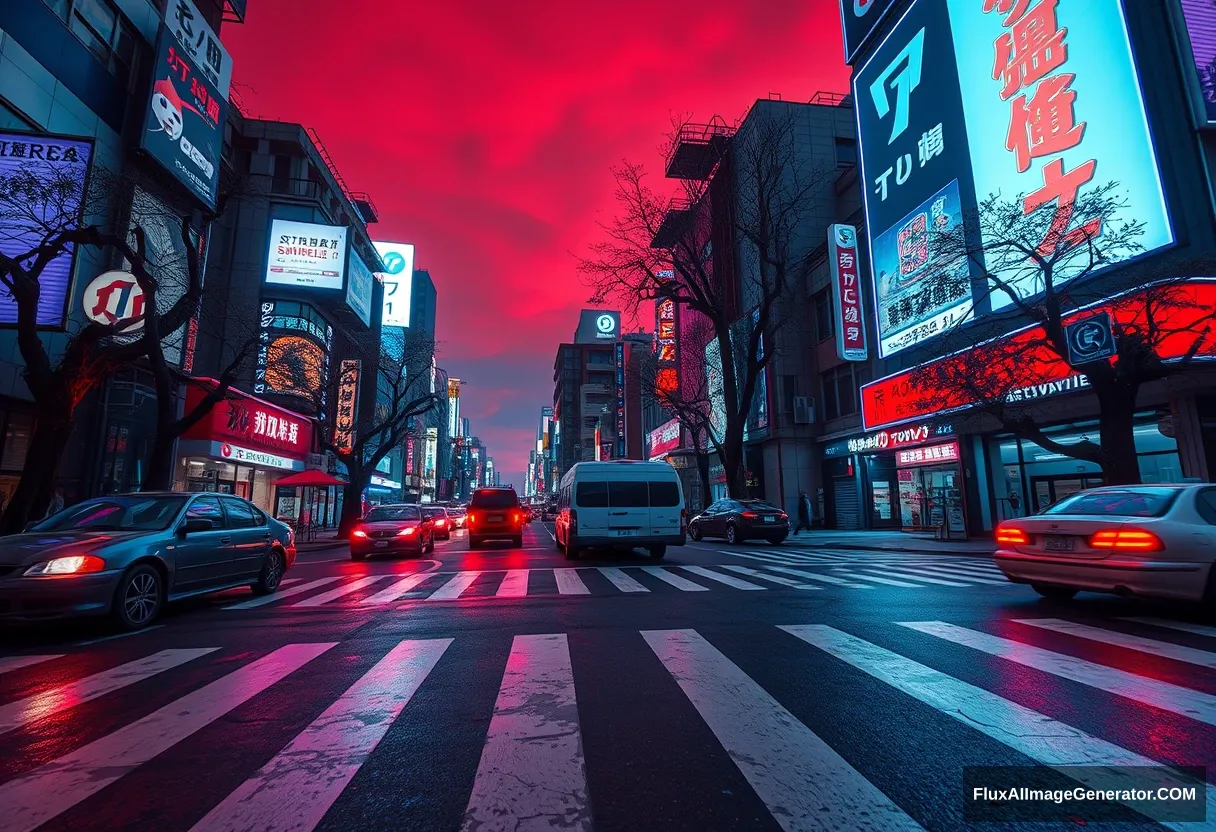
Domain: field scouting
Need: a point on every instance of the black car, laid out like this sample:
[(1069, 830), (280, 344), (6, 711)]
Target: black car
[(738, 520), (495, 513)]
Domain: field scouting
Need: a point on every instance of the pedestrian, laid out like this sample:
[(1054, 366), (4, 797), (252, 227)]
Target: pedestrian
[(804, 513)]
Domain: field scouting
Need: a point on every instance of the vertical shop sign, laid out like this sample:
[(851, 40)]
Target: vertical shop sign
[(846, 294), (348, 397), (620, 400)]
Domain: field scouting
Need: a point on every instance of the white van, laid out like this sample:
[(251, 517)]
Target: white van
[(620, 503)]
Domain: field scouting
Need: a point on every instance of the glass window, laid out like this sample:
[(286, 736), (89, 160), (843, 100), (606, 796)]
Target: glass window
[(846, 390), (591, 495), (846, 151), (830, 408), (112, 513), (664, 494), (435, 513), (1205, 504), (1123, 502), (389, 514), (494, 498), (206, 508), (628, 494), (241, 515), (823, 316), (16, 441)]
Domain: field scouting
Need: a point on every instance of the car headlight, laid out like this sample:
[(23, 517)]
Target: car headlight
[(73, 565)]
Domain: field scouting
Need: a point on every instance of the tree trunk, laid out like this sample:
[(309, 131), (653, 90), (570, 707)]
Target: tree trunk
[(160, 461), (732, 461), (1116, 424), (703, 473), (52, 429), (352, 505)]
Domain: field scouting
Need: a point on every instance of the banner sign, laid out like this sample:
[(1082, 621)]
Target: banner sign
[(244, 420), (306, 254), (887, 440), (347, 406), (398, 280), (663, 439), (928, 455), (359, 288), (46, 159), (846, 293), (200, 44), (184, 121), (620, 400)]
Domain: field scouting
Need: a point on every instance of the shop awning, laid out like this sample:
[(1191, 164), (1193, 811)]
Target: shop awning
[(309, 479)]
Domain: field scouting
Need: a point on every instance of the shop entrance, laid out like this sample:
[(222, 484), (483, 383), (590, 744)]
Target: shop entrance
[(1048, 491)]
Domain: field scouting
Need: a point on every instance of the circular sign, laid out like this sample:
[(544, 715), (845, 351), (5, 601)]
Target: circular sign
[(225, 450), (1089, 339), (605, 323), (394, 261), (115, 296)]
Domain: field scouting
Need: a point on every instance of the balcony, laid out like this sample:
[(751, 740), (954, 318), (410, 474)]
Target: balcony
[(366, 208), (697, 149), (676, 223)]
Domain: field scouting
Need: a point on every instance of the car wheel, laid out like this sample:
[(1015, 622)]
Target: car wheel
[(1058, 593), (518, 541), (732, 534), (694, 533), (430, 546), (272, 573), (658, 550), (139, 598)]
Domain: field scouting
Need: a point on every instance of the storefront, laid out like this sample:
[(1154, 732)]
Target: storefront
[(907, 478), (242, 447)]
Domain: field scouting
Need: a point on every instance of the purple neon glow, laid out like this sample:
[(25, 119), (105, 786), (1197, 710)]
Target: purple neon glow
[(1201, 26)]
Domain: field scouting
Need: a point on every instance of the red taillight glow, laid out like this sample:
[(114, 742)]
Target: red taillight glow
[(441, 522), (1126, 540), (469, 518), (1011, 535), (408, 530), (358, 533), (749, 515)]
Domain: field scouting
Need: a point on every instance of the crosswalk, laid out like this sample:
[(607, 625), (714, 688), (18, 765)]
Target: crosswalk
[(315, 734), (390, 590)]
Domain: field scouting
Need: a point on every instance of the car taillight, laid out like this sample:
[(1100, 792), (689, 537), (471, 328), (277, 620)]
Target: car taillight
[(781, 515), (1011, 535), (749, 515), (469, 518), (519, 517), (358, 533), (441, 522), (408, 530), (1126, 540), (71, 565)]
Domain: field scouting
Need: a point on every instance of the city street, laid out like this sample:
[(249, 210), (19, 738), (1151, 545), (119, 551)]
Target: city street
[(752, 687)]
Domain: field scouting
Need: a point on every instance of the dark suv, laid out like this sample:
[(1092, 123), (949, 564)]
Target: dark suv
[(495, 512)]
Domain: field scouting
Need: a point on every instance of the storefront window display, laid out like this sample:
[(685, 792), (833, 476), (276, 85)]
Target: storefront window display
[(1027, 478)]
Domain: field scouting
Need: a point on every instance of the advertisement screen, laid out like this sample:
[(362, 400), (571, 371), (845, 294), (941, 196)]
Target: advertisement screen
[(359, 289), (293, 356), (596, 326), (398, 281), (184, 120), (1199, 17), (715, 389), (46, 159), (306, 254)]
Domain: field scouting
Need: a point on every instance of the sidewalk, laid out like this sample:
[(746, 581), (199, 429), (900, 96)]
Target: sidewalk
[(922, 542), (325, 539)]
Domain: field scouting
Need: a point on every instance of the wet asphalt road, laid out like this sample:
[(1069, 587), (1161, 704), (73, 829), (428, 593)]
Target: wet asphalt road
[(752, 687)]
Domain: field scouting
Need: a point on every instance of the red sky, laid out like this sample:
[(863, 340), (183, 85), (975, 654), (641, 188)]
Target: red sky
[(484, 132)]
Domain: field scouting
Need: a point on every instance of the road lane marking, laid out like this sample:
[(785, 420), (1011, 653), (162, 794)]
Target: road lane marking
[(621, 580), (514, 584), (569, 583), (804, 783), (57, 786), (532, 764), (815, 576), (11, 663), (454, 588), (965, 569), (339, 592), (737, 583), (942, 571), (872, 578), (675, 580), (777, 579), (279, 596), (1035, 735), (51, 701), (914, 575), (1173, 698), (1183, 626), (1177, 652), (396, 589), (295, 789)]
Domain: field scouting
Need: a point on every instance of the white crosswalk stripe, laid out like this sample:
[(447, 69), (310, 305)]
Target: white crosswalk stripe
[(1184, 626), (339, 592), (396, 589), (777, 579), (737, 583), (622, 581), (569, 583), (1152, 646), (455, 587), (815, 576), (514, 584), (668, 577), (11, 663), (283, 593)]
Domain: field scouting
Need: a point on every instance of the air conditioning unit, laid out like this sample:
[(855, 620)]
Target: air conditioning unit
[(804, 410)]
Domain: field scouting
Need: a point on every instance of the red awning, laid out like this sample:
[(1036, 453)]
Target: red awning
[(309, 479)]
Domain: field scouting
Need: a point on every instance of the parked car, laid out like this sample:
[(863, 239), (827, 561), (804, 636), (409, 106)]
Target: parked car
[(392, 529), (438, 515), (620, 504), (740, 520), (128, 555), (1149, 540), (495, 513)]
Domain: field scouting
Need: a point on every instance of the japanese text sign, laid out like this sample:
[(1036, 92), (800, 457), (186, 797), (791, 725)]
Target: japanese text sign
[(347, 405), (858, 19), (200, 43), (620, 399), (927, 455), (846, 294), (45, 159), (244, 420), (306, 254), (184, 120), (398, 282)]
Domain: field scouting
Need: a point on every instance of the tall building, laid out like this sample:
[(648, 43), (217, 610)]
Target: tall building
[(423, 301)]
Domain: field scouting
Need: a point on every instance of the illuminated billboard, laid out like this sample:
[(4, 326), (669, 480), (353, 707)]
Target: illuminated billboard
[(44, 159), (306, 254), (293, 354), (398, 281), (359, 288), (858, 19), (1033, 101)]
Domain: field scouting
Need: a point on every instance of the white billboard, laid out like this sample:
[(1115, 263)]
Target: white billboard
[(359, 291), (306, 254), (398, 281)]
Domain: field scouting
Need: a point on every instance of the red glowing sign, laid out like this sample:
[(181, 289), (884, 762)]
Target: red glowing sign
[(927, 455), (241, 419), (846, 297)]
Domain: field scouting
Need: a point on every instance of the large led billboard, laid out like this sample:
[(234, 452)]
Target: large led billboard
[(398, 280), (1035, 102), (306, 254), (46, 160)]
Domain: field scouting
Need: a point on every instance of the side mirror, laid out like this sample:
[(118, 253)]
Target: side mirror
[(194, 525)]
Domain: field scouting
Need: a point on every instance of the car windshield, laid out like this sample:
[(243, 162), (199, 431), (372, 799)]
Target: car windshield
[(495, 499), (435, 512), (390, 515), (1128, 502), (143, 514)]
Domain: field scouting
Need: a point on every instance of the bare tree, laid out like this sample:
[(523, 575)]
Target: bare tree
[(405, 393), (689, 404), (1034, 265), (657, 249), (40, 212)]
